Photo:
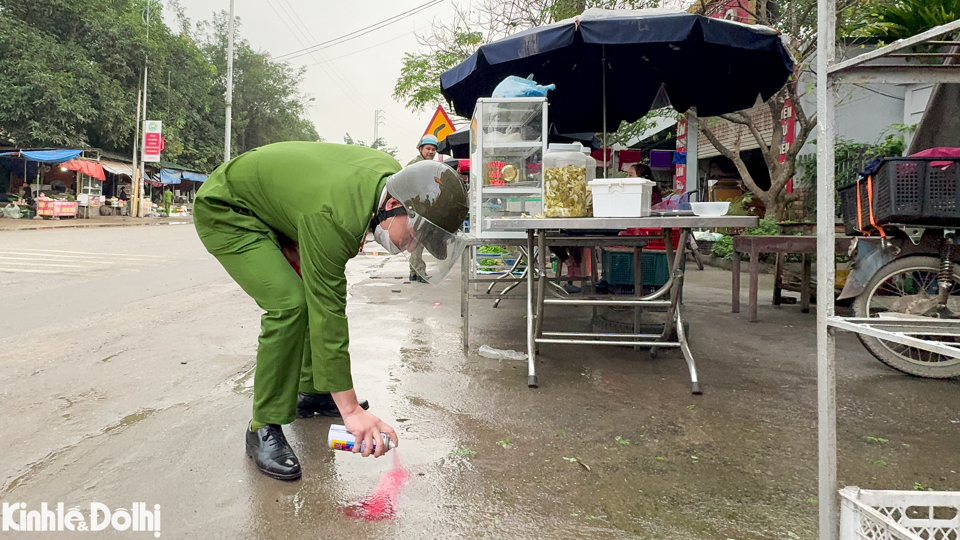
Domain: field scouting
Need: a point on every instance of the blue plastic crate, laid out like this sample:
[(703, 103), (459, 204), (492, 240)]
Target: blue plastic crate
[(618, 268)]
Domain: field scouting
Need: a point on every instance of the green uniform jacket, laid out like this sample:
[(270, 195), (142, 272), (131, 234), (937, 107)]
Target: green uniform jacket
[(167, 197), (320, 195), (416, 159)]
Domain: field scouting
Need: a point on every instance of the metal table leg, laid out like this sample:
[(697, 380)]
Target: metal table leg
[(685, 347), (531, 354), (465, 297), (541, 258)]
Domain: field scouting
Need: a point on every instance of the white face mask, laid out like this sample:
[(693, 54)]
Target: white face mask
[(382, 236)]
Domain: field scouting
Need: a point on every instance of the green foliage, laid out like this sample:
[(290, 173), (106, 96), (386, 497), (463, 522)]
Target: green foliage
[(850, 158), (463, 451), (723, 247), (447, 45), (419, 84), (904, 18), (739, 206), (379, 144), (71, 72), (632, 130)]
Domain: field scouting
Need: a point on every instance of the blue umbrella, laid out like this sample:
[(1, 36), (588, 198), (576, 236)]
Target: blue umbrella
[(614, 65)]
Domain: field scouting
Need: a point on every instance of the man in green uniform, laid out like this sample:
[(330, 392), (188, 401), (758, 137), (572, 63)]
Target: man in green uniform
[(167, 200), (303, 207), (427, 149)]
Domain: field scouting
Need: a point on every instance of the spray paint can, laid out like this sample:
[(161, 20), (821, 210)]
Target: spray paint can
[(340, 439)]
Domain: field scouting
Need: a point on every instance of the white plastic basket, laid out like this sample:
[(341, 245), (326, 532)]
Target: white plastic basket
[(899, 515), (621, 197)]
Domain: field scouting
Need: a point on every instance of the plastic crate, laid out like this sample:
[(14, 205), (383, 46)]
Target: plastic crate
[(900, 515), (905, 190), (618, 268), (657, 243)]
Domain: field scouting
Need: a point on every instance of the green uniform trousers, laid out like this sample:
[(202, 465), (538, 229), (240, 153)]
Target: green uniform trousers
[(284, 364), (417, 266)]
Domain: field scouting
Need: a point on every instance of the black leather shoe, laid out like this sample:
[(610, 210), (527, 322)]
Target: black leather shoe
[(310, 405), (272, 454)]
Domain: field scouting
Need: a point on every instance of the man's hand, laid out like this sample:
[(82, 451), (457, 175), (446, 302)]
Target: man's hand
[(363, 425), (367, 429)]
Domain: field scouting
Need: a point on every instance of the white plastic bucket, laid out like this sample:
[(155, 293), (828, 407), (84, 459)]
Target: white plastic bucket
[(621, 197)]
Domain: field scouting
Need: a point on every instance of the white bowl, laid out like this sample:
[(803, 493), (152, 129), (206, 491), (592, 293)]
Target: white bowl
[(710, 208)]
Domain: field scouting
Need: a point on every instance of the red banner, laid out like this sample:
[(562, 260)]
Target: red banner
[(680, 175), (788, 125), (55, 208)]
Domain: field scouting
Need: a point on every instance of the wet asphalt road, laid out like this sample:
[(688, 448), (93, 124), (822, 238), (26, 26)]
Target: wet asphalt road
[(125, 367)]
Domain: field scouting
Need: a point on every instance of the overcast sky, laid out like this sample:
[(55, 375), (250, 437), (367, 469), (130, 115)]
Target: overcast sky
[(348, 80)]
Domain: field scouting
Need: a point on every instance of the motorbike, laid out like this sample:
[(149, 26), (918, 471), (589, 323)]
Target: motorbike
[(910, 275)]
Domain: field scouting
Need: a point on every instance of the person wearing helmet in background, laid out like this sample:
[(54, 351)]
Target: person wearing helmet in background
[(283, 220), (427, 149)]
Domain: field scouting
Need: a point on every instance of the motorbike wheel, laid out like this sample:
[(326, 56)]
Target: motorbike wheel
[(890, 289)]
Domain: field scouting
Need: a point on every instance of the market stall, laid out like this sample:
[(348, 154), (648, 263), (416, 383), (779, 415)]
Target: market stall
[(673, 335), (43, 171), (608, 66), (89, 185), (55, 208)]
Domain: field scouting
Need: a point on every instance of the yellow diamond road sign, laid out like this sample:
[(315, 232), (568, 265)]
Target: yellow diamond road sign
[(440, 125)]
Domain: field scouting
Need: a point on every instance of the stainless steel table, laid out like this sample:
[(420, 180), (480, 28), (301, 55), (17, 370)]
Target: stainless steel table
[(537, 232)]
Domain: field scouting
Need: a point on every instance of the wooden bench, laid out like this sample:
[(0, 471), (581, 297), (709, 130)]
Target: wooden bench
[(781, 245)]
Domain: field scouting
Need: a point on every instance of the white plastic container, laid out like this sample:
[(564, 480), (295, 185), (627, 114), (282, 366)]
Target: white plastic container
[(591, 176), (910, 515), (591, 163), (622, 197), (564, 181)]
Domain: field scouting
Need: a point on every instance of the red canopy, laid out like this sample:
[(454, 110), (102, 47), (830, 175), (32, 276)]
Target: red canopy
[(87, 167), (941, 151)]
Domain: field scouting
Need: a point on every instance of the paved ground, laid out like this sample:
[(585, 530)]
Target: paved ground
[(97, 221), (125, 368)]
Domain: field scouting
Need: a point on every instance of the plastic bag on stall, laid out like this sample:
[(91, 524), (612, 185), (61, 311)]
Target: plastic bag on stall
[(11, 211), (487, 351), (674, 202), (514, 86)]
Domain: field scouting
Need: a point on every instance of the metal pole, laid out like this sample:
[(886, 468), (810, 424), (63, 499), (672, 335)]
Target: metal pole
[(135, 188), (146, 62), (603, 77), (376, 125), (227, 131), (826, 346)]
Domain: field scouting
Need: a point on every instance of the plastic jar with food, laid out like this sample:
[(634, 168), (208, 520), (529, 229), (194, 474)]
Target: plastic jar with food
[(564, 182)]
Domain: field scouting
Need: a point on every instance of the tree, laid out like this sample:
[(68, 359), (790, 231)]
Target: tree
[(905, 18), (798, 20), (71, 72), (449, 43), (267, 103), (378, 144)]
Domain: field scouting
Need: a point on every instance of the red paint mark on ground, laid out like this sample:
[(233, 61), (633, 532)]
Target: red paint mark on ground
[(381, 505)]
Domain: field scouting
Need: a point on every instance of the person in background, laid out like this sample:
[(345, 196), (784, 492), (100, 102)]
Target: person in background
[(167, 200), (639, 170), (427, 149)]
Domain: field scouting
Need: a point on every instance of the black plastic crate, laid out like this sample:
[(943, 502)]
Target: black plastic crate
[(906, 190)]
